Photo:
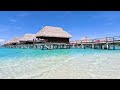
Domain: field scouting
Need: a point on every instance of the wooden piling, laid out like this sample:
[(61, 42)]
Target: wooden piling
[(108, 46), (113, 43), (93, 46), (100, 46)]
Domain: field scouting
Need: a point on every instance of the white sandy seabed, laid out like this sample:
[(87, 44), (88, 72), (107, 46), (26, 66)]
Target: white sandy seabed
[(96, 66)]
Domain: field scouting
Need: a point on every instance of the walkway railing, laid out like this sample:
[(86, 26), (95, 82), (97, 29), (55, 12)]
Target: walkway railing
[(115, 39)]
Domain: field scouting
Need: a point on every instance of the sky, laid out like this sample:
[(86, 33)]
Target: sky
[(91, 24)]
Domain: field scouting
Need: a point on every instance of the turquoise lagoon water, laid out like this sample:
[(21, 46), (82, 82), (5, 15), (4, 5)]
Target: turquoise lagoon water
[(87, 63)]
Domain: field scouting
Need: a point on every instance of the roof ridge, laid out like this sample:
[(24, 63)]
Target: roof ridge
[(51, 31)]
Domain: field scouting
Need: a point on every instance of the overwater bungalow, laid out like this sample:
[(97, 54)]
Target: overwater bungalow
[(6, 43), (49, 37), (53, 35), (27, 39), (14, 41)]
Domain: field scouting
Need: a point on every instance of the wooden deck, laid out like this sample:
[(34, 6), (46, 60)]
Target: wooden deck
[(100, 43), (42, 46)]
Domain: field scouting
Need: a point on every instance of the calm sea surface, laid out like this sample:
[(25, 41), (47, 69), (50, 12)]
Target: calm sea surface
[(27, 63)]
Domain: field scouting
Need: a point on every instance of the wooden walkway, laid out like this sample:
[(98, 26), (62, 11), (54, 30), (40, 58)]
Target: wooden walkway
[(99, 43), (46, 46)]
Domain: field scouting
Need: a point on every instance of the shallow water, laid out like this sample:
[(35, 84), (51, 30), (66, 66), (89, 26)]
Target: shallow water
[(59, 63)]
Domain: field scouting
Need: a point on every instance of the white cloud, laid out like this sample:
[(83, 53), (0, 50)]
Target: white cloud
[(109, 23), (9, 30), (23, 14), (106, 15), (110, 33), (70, 31), (13, 20), (17, 27), (2, 40)]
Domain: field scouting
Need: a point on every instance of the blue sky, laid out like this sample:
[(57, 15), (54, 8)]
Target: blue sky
[(93, 24)]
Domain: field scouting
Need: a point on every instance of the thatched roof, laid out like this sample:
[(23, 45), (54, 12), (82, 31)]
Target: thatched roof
[(15, 40), (7, 42), (50, 31), (28, 37)]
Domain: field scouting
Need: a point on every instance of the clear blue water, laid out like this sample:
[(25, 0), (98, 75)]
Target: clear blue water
[(15, 63), (15, 54)]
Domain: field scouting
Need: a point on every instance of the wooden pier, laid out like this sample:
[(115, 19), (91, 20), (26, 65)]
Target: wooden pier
[(42, 46), (100, 43)]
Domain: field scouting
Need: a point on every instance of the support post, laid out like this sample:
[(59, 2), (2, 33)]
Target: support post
[(100, 46), (113, 43), (93, 46)]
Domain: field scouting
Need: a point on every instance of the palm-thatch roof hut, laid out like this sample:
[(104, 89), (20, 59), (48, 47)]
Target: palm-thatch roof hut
[(53, 34), (7, 43), (27, 38), (14, 41)]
